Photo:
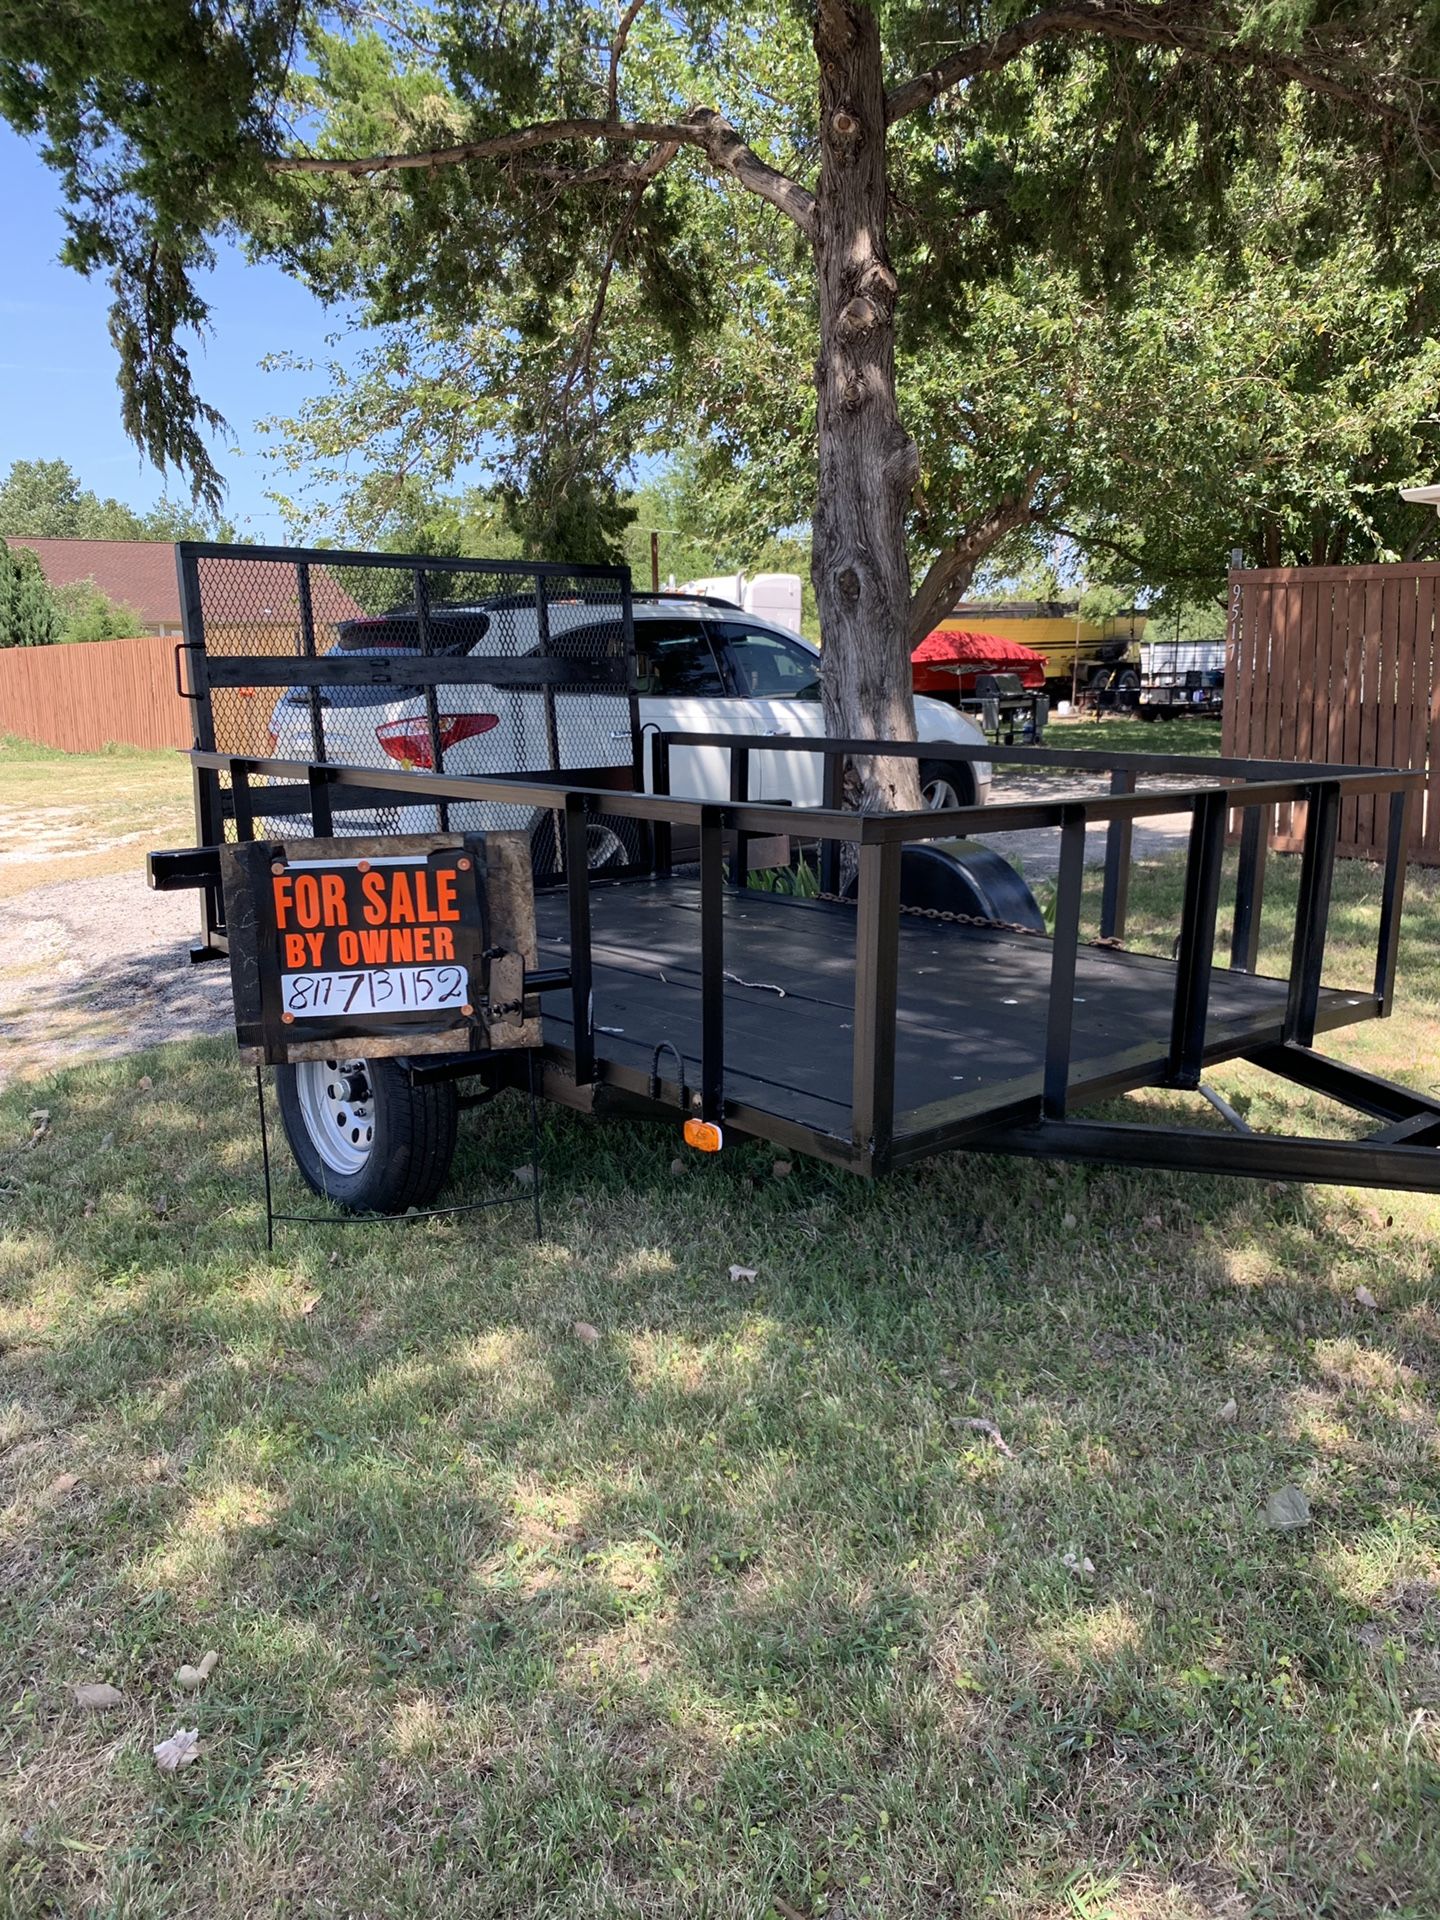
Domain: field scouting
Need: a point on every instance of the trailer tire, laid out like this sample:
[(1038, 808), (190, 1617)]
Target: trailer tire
[(392, 1141)]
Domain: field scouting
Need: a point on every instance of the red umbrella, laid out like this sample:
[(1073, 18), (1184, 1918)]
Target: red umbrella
[(947, 661)]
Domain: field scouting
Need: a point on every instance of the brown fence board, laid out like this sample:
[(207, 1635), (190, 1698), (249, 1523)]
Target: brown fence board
[(83, 698), (1339, 664), (1283, 703), (1372, 700), (1427, 677)]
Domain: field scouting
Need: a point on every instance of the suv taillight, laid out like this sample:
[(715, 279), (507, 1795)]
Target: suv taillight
[(408, 741)]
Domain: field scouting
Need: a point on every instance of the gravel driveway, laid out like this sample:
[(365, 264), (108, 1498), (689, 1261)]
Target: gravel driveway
[(1037, 854), (101, 967)]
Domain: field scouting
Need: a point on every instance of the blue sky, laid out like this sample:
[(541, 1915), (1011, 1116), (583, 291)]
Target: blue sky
[(57, 368)]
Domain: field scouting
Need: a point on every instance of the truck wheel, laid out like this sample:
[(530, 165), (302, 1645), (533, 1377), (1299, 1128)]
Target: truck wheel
[(610, 841), (364, 1136), (946, 783)]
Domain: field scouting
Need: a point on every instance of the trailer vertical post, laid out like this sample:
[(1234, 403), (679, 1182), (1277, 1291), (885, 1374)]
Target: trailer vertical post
[(1249, 888), (1194, 961), (244, 805), (712, 967), (432, 701), (739, 793), (209, 807), (1397, 850), (833, 798), (1060, 1014), (1115, 899), (307, 647), (1317, 867), (877, 989), (661, 842), (322, 818), (577, 898)]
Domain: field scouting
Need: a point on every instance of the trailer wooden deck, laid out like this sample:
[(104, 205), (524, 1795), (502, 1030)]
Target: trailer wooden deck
[(971, 1021)]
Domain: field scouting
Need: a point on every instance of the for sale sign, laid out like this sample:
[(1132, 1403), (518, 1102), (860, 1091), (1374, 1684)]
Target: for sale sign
[(392, 946)]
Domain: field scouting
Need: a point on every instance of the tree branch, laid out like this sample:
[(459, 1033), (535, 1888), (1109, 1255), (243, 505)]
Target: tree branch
[(585, 346), (1172, 26), (703, 128), (610, 172), (617, 48), (952, 570), (1090, 538)]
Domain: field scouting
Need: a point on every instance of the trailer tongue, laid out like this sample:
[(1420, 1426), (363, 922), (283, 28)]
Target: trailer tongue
[(929, 1010)]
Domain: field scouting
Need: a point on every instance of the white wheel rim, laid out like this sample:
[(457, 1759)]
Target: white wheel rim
[(938, 794), (337, 1104)]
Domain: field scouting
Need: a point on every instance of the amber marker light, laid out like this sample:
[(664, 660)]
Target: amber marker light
[(704, 1136)]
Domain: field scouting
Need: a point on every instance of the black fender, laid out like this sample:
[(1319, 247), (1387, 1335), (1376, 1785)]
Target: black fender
[(961, 876)]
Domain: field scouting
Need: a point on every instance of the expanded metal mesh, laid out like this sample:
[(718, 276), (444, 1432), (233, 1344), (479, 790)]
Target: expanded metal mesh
[(252, 610)]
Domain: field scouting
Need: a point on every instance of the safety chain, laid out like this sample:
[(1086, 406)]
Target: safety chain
[(940, 913), (970, 920)]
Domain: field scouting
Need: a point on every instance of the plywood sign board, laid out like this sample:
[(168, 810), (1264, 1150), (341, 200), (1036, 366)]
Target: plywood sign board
[(379, 947)]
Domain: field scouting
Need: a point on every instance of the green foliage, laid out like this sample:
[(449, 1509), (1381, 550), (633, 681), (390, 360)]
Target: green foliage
[(43, 500), (86, 613), (704, 529), (1126, 255), (29, 616)]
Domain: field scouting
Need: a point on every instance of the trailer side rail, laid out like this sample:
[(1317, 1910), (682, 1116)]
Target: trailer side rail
[(878, 1136)]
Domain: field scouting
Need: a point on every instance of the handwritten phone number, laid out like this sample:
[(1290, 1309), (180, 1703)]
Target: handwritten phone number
[(312, 996)]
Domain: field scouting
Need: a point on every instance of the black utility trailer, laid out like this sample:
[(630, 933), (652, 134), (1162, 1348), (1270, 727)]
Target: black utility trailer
[(917, 1004)]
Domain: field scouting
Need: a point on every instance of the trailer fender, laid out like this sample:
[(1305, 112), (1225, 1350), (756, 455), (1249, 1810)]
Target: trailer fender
[(961, 876)]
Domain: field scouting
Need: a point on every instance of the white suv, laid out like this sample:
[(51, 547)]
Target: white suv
[(704, 667)]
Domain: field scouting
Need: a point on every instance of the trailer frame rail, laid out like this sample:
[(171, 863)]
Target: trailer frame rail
[(1038, 1118)]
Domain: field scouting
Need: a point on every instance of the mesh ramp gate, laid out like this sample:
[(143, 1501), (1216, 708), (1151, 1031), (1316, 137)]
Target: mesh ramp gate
[(475, 667)]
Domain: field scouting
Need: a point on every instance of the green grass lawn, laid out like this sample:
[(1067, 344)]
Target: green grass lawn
[(730, 1611), (1101, 733)]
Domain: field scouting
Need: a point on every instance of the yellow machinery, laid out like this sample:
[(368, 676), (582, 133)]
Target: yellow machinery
[(1074, 650)]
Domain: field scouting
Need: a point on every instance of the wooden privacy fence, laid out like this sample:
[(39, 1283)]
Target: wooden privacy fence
[(1339, 664), (82, 698)]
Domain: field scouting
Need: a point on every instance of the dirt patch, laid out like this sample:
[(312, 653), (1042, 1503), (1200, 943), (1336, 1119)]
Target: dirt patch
[(1036, 852), (95, 967)]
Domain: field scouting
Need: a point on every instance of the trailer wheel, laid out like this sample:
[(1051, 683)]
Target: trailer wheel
[(364, 1136), (946, 783)]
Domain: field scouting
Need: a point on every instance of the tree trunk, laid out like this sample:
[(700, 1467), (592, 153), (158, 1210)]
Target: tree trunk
[(868, 463)]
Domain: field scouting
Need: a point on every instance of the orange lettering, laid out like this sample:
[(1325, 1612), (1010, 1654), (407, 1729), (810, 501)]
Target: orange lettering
[(402, 946), (402, 901), (282, 886), (307, 900), (316, 944), (294, 949), (372, 885), (424, 943), (444, 944), (445, 906), (349, 947), (332, 895), (374, 947)]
